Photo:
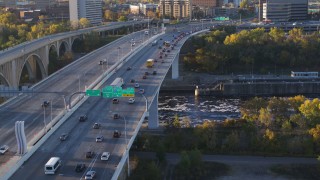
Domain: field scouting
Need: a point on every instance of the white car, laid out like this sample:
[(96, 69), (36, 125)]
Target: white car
[(90, 175), (4, 149), (141, 91), (131, 100), (99, 138), (136, 85), (105, 156)]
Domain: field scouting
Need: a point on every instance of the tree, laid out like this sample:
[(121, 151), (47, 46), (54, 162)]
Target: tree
[(184, 164), (122, 18), (186, 122), (160, 153), (109, 15), (208, 134), (8, 18), (315, 133), (244, 4), (151, 14), (232, 141), (250, 110), (311, 110), (195, 158), (265, 117), (84, 23), (176, 121)]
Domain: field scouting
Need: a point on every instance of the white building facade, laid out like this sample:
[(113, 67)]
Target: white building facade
[(90, 9)]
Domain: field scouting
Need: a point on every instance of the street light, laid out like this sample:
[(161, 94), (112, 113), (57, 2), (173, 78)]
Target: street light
[(51, 110), (44, 119)]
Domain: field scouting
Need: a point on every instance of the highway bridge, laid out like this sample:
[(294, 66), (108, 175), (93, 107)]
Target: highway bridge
[(35, 54), (76, 77)]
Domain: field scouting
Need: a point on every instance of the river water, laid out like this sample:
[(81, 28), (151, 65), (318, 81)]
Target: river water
[(197, 109)]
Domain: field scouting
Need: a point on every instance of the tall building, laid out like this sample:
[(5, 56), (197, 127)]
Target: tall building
[(43, 4), (285, 10), (90, 9), (174, 8), (205, 3)]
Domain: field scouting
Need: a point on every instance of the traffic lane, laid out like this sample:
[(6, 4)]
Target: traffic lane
[(65, 150), (48, 157), (42, 97)]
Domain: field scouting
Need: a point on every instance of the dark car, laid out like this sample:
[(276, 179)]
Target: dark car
[(144, 77), (83, 118), (96, 126), (64, 136), (160, 57), (80, 167), (89, 154), (129, 68), (168, 50), (115, 101), (154, 72), (45, 104), (146, 73), (116, 134), (116, 116), (132, 81)]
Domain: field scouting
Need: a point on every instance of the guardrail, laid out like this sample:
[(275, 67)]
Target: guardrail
[(32, 150)]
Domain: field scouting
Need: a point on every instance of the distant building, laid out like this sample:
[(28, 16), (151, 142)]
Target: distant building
[(10, 3), (174, 8), (43, 4), (144, 8), (225, 11), (31, 14), (90, 9), (59, 10), (285, 10), (134, 9)]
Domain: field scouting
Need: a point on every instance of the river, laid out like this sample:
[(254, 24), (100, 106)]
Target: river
[(197, 109)]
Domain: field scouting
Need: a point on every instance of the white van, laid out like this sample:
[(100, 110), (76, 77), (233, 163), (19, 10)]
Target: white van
[(52, 165)]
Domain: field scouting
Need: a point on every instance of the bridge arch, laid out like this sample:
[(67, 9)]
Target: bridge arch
[(63, 47), (4, 81), (77, 45), (53, 48), (31, 65)]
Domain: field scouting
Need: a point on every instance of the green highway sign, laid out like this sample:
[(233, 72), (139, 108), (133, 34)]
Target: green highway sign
[(111, 92), (107, 89), (117, 91), (92, 92), (129, 92)]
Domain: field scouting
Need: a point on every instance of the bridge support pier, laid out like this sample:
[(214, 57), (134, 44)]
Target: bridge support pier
[(175, 67), (153, 119)]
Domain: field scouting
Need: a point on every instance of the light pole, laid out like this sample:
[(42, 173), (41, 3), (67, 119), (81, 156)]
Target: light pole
[(44, 118), (119, 48), (64, 102), (51, 110)]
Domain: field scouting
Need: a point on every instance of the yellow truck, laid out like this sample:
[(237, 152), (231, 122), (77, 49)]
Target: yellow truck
[(150, 63)]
